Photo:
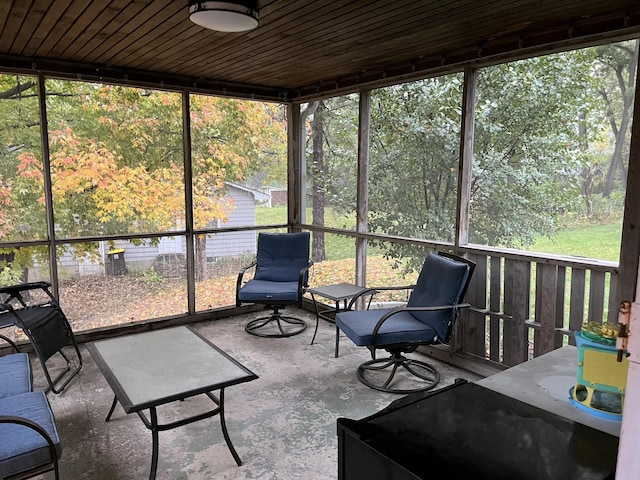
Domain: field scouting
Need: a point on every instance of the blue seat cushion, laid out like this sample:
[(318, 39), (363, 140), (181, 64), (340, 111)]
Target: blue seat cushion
[(22, 448), (15, 374), (263, 291), (402, 327)]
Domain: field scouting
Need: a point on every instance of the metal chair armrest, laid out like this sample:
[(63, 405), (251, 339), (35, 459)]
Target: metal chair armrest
[(23, 287), (303, 276), (43, 433), (243, 270), (373, 290), (240, 279), (14, 292)]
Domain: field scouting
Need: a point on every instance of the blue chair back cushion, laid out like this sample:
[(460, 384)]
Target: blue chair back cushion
[(22, 448), (15, 374), (281, 256), (441, 282)]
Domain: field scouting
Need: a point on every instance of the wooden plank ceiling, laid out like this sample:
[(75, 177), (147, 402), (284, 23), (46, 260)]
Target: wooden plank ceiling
[(301, 48)]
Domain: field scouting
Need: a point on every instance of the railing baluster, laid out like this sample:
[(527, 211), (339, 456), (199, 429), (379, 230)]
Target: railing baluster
[(596, 296), (503, 296)]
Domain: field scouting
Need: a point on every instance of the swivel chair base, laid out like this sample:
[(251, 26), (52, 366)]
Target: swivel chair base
[(276, 325), (412, 375)]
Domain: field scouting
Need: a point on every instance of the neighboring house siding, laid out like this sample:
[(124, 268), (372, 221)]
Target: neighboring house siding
[(142, 258), (235, 243)]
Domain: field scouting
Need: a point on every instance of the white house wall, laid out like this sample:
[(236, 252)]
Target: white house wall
[(231, 244), (141, 258)]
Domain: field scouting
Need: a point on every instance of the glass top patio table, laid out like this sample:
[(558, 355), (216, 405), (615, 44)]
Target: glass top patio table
[(146, 370), (157, 367)]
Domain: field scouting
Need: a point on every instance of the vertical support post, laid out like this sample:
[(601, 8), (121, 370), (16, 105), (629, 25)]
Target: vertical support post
[(188, 202), (296, 179), (364, 122), (48, 195), (466, 157), (630, 242), (628, 465)]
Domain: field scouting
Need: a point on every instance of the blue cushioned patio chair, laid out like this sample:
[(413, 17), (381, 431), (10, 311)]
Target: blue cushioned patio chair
[(29, 441), (428, 318), (280, 276)]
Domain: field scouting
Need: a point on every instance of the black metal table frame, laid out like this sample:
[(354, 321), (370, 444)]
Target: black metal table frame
[(153, 425), (348, 296), (151, 422)]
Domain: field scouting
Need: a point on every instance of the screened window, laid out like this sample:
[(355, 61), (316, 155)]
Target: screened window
[(413, 173), (551, 152)]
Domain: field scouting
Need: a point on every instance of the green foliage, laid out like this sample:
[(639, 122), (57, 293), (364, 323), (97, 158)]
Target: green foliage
[(542, 154), (541, 150), (526, 146), (335, 177), (10, 275), (22, 213), (414, 158), (151, 276)]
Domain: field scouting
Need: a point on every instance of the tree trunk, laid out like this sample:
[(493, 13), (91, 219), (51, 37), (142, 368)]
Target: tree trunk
[(201, 258), (586, 185), (621, 133)]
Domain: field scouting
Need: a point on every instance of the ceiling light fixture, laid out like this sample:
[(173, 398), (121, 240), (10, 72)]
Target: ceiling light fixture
[(224, 16)]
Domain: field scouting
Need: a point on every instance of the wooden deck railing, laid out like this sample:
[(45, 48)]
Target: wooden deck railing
[(524, 305)]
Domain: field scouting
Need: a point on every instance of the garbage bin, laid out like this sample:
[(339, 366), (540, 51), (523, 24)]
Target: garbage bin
[(115, 264)]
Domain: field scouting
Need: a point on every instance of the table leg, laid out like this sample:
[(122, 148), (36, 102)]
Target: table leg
[(337, 329), (315, 304), (113, 407), (154, 443), (224, 430)]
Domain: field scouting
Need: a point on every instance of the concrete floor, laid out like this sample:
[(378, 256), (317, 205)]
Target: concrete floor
[(283, 425)]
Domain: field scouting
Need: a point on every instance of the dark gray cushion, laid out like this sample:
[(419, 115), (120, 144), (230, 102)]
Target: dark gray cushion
[(441, 282), (264, 291), (15, 374), (281, 256), (402, 327), (22, 448)]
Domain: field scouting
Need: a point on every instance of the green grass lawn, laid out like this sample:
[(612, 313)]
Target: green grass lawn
[(337, 247), (595, 241)]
